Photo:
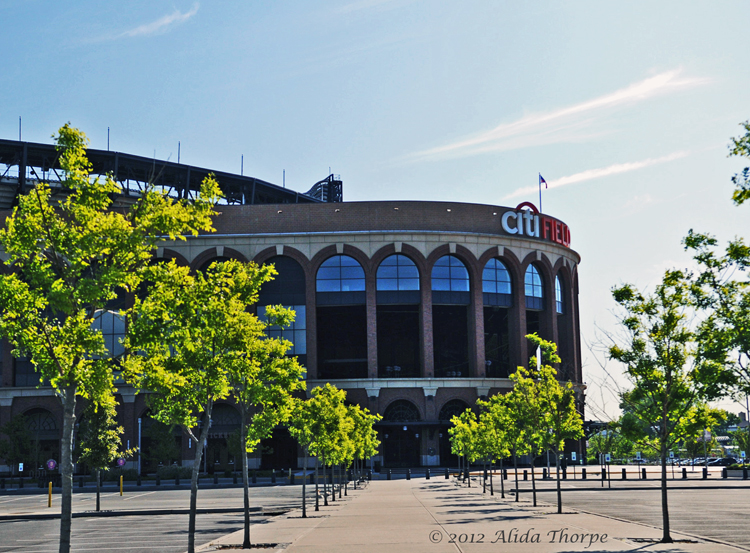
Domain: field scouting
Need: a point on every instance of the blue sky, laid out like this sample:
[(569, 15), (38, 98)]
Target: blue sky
[(625, 108)]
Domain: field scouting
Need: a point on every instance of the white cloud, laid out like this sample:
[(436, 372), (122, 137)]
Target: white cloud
[(567, 124), (160, 25), (591, 174)]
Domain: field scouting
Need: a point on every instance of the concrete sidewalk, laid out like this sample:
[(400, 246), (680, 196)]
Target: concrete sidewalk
[(437, 516)]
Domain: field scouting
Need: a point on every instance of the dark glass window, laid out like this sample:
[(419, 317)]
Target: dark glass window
[(340, 273), (451, 409), (450, 330), (558, 295), (112, 326), (496, 286), (287, 287), (398, 272), (449, 274), (533, 288), (342, 342), (401, 410), (296, 332), (497, 342), (398, 341)]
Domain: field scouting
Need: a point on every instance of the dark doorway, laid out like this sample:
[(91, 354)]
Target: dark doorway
[(279, 451), (342, 342), (400, 446), (496, 342), (447, 457), (450, 340), (398, 341)]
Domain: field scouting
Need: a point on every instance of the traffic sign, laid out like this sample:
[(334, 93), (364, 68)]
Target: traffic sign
[(121, 462), (671, 454), (20, 466), (51, 464), (607, 458), (573, 456), (638, 456), (742, 454)]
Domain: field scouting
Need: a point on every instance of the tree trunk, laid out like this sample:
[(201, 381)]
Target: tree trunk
[(245, 484), (304, 485), (317, 480), (66, 466), (98, 489), (325, 484), (533, 480), (515, 466), (484, 477), (559, 491), (666, 537), (492, 490), (194, 480), (502, 480), (333, 489)]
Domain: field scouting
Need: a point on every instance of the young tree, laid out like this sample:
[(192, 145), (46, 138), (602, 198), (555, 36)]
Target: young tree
[(558, 402), (17, 446), (364, 435), (162, 446), (463, 438), (100, 442), (187, 340), (69, 254), (262, 380), (669, 376), (496, 417)]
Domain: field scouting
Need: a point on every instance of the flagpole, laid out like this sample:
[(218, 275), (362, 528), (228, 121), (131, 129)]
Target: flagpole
[(540, 193)]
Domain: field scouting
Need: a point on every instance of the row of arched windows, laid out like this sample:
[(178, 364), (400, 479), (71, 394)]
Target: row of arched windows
[(342, 273)]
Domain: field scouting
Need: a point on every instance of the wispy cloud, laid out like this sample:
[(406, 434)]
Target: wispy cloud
[(591, 174), (567, 124), (160, 25)]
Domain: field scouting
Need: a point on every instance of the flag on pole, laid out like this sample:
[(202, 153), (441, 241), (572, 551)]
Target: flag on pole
[(542, 181)]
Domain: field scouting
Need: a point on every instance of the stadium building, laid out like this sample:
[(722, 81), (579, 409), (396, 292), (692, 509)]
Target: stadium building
[(415, 308)]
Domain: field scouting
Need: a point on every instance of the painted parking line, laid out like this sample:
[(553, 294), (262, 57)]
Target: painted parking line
[(139, 495)]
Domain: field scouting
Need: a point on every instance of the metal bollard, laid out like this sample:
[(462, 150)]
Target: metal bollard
[(447, 476), (427, 474), (80, 482), (744, 473), (138, 480), (583, 474), (389, 474), (216, 479), (2, 483), (291, 479), (525, 475), (177, 480), (505, 474), (705, 473), (158, 480), (565, 473), (255, 477), (544, 474), (369, 475), (684, 473), (724, 472), (604, 473), (408, 474), (273, 477), (643, 473), (20, 483), (624, 474)]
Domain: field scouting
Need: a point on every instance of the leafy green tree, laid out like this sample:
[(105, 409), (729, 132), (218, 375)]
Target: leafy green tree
[(262, 377), (100, 442), (187, 339), (670, 378), (558, 402), (741, 147), (68, 255), (364, 436), (741, 439), (17, 445), (499, 426), (611, 440)]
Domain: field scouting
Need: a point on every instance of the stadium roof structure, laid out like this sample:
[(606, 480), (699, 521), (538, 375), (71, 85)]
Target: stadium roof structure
[(22, 164)]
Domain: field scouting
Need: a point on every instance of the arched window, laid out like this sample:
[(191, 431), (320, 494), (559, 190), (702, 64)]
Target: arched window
[(496, 285), (401, 410), (558, 296), (398, 272), (340, 273), (533, 288), (451, 409), (449, 274), (207, 264)]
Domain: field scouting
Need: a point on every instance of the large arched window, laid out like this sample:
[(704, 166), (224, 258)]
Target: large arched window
[(533, 288), (559, 304), (401, 410), (449, 274), (496, 286), (340, 273), (451, 409), (397, 272)]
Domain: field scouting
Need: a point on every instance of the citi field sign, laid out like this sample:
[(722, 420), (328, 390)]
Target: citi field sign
[(526, 220)]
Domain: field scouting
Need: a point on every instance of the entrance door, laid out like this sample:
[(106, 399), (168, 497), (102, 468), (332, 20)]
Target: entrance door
[(400, 447)]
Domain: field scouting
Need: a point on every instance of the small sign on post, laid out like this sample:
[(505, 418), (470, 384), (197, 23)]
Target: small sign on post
[(51, 464), (671, 454), (742, 454), (20, 466), (121, 462), (607, 458), (638, 456), (573, 456)]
